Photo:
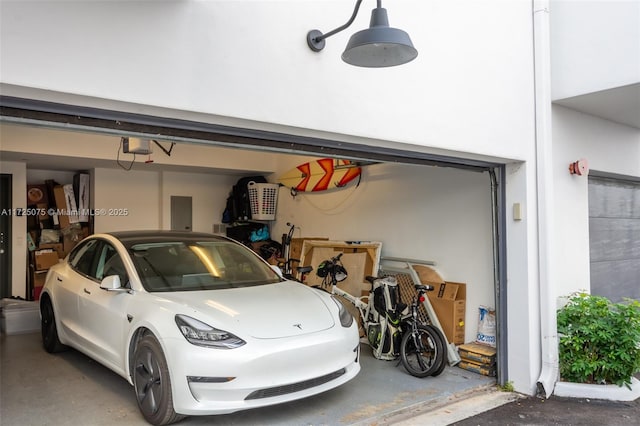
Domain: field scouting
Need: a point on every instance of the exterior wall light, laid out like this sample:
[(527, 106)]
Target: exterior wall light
[(376, 47)]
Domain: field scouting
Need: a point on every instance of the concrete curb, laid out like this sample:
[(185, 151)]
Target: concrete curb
[(608, 392), (455, 408)]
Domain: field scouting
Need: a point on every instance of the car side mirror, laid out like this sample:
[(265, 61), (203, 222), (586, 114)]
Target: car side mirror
[(112, 282)]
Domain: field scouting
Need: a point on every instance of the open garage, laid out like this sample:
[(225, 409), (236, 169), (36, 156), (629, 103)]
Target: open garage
[(423, 209)]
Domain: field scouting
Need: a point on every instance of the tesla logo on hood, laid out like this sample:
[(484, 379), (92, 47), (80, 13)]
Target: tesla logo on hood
[(298, 325)]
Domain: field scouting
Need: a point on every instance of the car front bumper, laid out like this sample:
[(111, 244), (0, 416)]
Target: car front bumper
[(263, 372)]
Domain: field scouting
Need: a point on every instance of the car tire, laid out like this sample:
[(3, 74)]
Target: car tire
[(152, 382), (50, 340)]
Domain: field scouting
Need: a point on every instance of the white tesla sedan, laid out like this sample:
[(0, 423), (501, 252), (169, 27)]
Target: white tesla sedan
[(198, 324)]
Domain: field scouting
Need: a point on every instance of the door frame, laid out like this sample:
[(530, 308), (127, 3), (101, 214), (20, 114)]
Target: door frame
[(6, 206)]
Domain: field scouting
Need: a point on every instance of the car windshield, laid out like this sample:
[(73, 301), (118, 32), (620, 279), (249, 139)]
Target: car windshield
[(206, 265)]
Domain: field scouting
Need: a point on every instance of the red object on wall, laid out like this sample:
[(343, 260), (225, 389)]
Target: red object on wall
[(580, 167)]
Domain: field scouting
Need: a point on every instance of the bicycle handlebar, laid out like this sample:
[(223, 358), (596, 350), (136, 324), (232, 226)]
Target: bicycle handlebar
[(423, 287)]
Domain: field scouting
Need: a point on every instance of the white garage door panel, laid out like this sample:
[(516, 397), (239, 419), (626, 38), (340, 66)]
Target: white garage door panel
[(614, 234)]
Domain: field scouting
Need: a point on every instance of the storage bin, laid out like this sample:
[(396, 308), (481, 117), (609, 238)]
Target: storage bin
[(263, 198), (19, 316)]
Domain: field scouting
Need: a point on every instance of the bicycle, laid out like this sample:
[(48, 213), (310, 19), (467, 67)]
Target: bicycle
[(392, 332), (423, 347), (285, 263)]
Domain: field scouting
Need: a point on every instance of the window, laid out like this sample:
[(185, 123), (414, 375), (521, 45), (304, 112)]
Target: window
[(82, 258), (199, 265), (110, 263)]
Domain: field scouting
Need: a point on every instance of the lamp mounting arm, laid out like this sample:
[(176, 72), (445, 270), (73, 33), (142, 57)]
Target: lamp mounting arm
[(315, 38)]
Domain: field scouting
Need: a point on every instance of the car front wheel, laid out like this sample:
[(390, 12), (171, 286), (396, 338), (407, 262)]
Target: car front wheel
[(152, 383), (50, 340)]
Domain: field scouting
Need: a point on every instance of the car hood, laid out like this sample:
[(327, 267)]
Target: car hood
[(264, 312)]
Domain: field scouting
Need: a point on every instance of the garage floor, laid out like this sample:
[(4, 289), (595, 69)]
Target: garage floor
[(70, 389)]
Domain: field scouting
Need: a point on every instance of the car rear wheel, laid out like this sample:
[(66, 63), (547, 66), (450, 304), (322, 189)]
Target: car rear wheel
[(152, 383), (50, 340)]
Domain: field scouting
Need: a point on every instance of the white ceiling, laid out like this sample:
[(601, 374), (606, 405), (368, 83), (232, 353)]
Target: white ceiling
[(620, 105)]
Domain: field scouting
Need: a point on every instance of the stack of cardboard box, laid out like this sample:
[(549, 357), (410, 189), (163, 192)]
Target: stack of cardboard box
[(57, 219), (478, 358), (43, 259)]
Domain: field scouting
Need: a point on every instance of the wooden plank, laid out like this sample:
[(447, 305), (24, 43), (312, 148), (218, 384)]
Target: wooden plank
[(366, 262)]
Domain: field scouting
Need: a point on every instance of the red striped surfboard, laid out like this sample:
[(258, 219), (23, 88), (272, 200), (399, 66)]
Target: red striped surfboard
[(320, 175)]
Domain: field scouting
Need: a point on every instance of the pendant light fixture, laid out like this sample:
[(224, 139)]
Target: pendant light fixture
[(377, 46)]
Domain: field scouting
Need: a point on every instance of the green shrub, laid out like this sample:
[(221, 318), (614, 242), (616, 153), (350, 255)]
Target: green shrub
[(599, 340)]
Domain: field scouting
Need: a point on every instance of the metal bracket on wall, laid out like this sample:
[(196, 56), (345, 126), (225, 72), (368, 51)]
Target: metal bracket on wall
[(452, 353)]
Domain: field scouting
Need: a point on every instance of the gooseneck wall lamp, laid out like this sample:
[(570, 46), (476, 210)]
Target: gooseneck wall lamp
[(376, 47)]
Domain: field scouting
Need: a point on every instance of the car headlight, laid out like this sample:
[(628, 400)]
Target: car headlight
[(346, 319), (201, 334)]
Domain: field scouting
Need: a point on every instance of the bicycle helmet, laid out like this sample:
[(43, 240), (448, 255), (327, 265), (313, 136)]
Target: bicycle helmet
[(340, 273), (336, 270)]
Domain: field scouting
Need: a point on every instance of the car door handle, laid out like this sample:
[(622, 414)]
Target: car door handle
[(87, 291)]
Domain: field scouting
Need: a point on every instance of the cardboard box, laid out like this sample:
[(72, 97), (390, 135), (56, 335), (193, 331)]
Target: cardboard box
[(45, 259), (38, 278), (65, 205), (449, 304), (57, 247), (71, 239), (428, 275), (477, 368), (480, 354)]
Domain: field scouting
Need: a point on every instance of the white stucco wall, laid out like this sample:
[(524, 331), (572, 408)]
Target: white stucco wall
[(249, 60), (595, 45), (609, 148), (137, 192), (208, 192), (522, 287)]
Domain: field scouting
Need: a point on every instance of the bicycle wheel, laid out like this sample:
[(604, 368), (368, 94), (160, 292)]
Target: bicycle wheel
[(443, 344), (421, 352)]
